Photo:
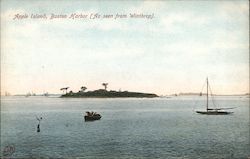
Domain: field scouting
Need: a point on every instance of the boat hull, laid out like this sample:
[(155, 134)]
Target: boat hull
[(92, 118), (214, 112)]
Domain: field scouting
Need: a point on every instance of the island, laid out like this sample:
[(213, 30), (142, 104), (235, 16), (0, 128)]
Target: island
[(104, 93)]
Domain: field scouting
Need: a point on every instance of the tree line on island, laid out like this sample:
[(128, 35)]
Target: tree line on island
[(83, 88)]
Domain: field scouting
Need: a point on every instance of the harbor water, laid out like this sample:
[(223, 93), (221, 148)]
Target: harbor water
[(129, 128)]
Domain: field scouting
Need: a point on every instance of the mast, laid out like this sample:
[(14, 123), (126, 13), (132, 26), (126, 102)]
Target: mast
[(207, 94)]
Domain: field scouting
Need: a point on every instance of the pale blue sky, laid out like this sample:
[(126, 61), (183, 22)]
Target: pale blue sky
[(185, 42)]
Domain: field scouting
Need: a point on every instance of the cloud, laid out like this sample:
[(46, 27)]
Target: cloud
[(234, 9), (147, 7), (175, 45)]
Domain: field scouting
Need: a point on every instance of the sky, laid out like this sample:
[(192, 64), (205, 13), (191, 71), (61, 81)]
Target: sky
[(184, 43)]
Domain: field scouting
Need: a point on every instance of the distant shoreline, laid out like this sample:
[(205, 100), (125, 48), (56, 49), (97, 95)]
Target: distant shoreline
[(180, 94)]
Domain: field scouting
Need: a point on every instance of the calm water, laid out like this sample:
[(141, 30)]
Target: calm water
[(129, 128)]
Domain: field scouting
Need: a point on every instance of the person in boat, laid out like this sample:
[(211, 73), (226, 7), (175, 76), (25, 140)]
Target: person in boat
[(88, 113), (92, 113)]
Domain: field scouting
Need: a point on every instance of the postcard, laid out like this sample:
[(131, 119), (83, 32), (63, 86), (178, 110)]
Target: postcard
[(125, 79)]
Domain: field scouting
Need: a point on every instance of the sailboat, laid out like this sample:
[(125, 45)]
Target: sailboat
[(215, 111)]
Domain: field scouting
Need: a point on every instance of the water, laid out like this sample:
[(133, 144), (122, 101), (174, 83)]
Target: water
[(129, 128)]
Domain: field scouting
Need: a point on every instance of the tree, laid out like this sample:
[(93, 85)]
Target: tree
[(105, 85), (83, 88), (64, 89)]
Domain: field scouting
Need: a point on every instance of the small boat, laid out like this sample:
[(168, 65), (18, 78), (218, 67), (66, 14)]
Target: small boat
[(91, 116), (215, 111)]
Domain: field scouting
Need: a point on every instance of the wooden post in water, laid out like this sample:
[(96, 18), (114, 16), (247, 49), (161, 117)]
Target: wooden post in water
[(38, 126)]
